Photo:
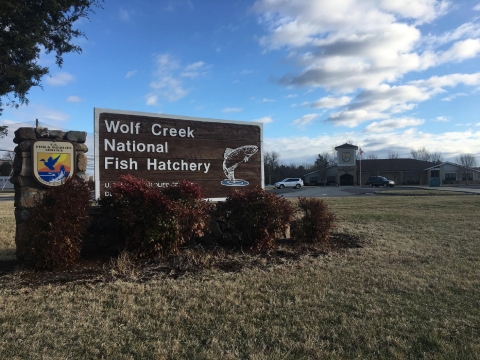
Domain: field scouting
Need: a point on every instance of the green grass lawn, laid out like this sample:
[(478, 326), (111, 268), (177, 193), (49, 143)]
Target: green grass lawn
[(411, 292)]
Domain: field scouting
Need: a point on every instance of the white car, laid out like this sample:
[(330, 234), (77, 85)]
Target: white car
[(296, 183)]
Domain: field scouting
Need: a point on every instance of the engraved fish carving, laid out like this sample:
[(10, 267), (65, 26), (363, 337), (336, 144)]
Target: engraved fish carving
[(234, 157)]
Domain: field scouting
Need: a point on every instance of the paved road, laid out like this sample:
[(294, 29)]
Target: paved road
[(6, 197), (336, 191)]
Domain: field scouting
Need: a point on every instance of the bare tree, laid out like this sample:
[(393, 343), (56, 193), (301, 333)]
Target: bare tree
[(436, 157), (271, 163), (425, 155), (392, 155), (421, 154), (372, 157), (468, 162)]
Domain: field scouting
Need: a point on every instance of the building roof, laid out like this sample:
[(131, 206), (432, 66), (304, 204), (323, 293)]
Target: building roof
[(453, 164), (347, 146), (315, 171), (385, 165)]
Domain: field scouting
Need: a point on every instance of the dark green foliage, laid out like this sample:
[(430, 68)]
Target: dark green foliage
[(27, 27), (3, 129), (57, 223), (316, 222), (153, 221), (5, 168), (254, 217)]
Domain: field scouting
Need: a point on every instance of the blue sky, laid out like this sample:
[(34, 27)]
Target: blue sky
[(389, 75)]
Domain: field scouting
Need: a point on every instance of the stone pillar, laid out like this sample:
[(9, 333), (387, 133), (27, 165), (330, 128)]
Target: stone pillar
[(27, 190)]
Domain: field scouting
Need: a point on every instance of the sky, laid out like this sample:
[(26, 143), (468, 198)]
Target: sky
[(391, 76)]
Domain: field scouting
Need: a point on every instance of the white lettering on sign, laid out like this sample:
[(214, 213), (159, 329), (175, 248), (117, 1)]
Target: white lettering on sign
[(153, 164), (116, 163), (132, 146), (157, 130), (115, 126)]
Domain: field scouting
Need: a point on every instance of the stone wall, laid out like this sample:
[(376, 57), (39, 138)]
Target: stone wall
[(27, 190)]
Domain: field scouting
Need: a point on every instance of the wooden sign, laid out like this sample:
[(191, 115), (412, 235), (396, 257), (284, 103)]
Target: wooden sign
[(219, 155), (53, 162)]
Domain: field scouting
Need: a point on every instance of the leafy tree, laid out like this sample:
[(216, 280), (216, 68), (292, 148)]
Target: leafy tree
[(322, 162), (26, 28), (7, 163), (3, 129)]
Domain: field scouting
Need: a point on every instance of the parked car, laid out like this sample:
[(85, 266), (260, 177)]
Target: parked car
[(379, 181), (296, 183)]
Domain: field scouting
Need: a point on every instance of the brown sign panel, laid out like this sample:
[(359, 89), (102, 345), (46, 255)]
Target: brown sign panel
[(219, 155)]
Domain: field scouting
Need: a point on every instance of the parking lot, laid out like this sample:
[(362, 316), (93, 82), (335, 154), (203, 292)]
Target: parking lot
[(337, 191)]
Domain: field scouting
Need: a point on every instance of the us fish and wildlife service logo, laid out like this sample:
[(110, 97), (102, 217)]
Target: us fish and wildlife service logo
[(346, 156), (52, 161)]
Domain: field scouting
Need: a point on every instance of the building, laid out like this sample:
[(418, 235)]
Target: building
[(451, 173), (350, 170)]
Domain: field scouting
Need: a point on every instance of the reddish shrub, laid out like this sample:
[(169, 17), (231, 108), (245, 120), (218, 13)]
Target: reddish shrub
[(316, 222), (154, 221), (195, 211), (254, 217), (57, 224)]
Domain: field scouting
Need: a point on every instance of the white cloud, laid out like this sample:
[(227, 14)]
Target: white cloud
[(131, 73), (60, 79), (194, 70), (468, 30), (346, 46), (390, 124), (441, 119), (291, 96), (304, 120), (246, 72), (329, 102), (265, 100), (123, 14), (231, 109), (450, 80), (152, 99), (265, 120), (168, 75), (379, 103), (453, 96), (74, 99), (460, 51), (477, 7)]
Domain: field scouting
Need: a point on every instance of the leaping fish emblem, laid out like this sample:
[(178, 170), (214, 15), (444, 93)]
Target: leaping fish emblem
[(231, 159)]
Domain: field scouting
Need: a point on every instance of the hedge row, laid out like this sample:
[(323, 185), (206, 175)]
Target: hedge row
[(155, 222)]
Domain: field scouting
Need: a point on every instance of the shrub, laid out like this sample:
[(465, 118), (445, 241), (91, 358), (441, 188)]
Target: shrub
[(254, 217), (316, 222), (195, 210), (151, 221), (56, 225)]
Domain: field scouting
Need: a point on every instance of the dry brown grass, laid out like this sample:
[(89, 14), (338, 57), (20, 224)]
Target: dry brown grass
[(7, 231), (412, 292)]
